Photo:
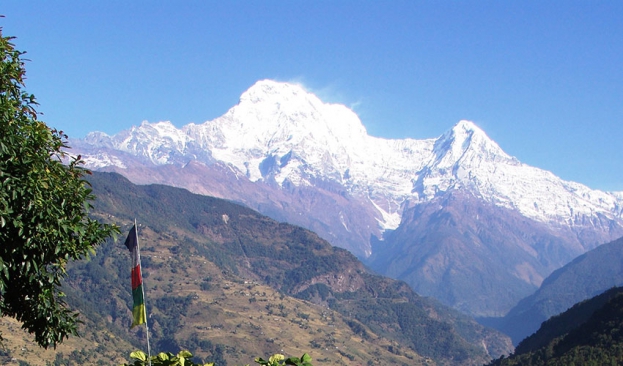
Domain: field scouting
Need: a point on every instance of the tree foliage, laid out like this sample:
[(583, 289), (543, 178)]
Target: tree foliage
[(44, 207)]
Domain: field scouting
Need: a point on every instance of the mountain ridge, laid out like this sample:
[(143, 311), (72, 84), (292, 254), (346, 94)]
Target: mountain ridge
[(285, 153), (286, 133)]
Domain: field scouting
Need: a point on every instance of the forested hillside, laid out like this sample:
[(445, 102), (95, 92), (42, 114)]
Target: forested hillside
[(589, 333)]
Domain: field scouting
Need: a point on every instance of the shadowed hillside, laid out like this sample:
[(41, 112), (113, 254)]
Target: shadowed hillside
[(586, 276), (589, 333)]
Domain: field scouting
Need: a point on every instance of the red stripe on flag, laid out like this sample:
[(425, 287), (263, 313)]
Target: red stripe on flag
[(137, 279)]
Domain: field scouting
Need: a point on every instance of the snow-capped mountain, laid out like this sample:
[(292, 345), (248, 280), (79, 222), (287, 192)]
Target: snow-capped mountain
[(284, 152), (281, 132)]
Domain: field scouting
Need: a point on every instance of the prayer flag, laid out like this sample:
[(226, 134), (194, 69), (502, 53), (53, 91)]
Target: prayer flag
[(139, 315)]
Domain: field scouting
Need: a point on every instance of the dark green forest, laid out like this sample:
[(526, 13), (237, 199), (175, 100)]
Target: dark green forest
[(589, 333)]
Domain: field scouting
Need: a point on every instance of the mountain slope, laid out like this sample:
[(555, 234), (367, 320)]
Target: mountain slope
[(589, 333), (586, 276), (253, 248), (287, 154), (459, 249)]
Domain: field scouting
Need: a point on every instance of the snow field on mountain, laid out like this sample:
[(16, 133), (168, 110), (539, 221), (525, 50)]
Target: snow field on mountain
[(280, 132)]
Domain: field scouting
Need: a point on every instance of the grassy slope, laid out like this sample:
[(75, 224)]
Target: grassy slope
[(217, 277)]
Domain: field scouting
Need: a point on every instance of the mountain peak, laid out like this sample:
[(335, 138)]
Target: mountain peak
[(466, 141), (466, 125), (467, 132), (276, 92), (273, 112)]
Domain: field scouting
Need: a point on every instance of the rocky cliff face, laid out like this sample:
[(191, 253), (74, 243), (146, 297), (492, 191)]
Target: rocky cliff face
[(285, 153)]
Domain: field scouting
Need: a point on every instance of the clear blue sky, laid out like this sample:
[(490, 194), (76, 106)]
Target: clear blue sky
[(543, 78)]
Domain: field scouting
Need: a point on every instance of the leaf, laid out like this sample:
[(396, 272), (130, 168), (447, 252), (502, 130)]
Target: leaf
[(138, 355), (306, 358), (185, 354), (274, 359)]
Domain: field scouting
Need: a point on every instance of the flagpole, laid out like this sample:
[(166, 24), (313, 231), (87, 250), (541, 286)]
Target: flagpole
[(143, 289)]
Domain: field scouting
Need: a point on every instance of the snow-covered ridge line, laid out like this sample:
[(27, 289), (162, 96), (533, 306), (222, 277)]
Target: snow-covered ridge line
[(280, 132)]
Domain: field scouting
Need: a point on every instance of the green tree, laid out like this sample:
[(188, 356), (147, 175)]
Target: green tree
[(44, 206)]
